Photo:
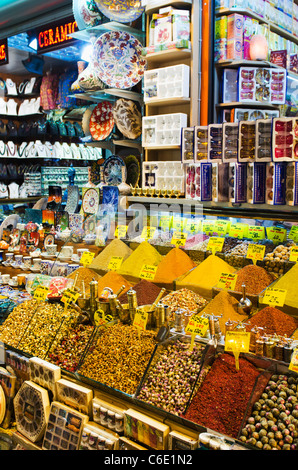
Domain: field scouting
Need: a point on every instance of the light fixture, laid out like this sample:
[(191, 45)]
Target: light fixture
[(258, 47), (87, 53)]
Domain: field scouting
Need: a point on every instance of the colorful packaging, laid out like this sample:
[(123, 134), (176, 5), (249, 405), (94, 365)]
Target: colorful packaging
[(235, 37), (292, 184), (276, 183), (237, 182), (256, 183), (220, 176)]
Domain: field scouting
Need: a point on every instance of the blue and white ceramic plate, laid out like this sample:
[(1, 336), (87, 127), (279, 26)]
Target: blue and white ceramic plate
[(124, 11), (118, 59), (114, 171), (86, 13)]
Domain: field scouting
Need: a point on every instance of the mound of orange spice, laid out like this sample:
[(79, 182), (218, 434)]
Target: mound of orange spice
[(255, 278)]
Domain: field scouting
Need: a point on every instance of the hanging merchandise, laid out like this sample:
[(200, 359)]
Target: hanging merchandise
[(49, 91), (86, 13), (128, 118), (118, 59), (121, 10), (64, 89), (88, 80), (101, 121)]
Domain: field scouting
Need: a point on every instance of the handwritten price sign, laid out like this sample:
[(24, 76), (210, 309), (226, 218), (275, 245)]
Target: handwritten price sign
[(255, 252), (274, 297), (69, 296), (100, 318), (197, 325), (115, 263), (41, 293), (148, 232), (148, 272), (179, 238), (87, 258), (140, 319), (120, 231), (227, 281), (215, 244)]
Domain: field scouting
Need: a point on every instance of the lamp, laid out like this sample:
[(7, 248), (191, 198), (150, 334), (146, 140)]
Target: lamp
[(258, 47)]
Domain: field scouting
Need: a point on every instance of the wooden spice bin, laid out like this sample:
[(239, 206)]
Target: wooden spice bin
[(285, 308)]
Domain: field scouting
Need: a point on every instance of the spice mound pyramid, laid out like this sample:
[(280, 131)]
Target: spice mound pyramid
[(226, 305), (173, 265), (146, 293), (274, 321), (114, 281), (82, 278), (205, 276), (144, 254), (255, 278), (116, 248), (289, 282)]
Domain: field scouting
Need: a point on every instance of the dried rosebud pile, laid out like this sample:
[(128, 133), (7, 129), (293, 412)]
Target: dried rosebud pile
[(170, 381)]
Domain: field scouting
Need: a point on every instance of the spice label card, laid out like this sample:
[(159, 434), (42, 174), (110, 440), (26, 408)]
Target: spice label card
[(276, 234), (227, 281), (41, 293), (148, 272), (255, 252), (87, 258), (197, 326), (140, 319), (120, 231), (237, 341), (69, 296), (274, 297), (148, 233), (115, 263), (179, 238), (294, 361), (256, 233), (293, 235), (294, 254), (215, 244)]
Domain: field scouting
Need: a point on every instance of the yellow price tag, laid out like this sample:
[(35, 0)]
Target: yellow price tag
[(237, 342), (100, 318), (140, 319), (115, 263), (69, 296), (87, 258), (165, 222), (256, 233), (193, 226), (41, 293), (179, 239), (255, 252), (221, 227), (294, 254), (148, 232), (293, 234), (121, 231), (208, 227), (276, 234), (236, 231), (294, 361), (215, 244), (148, 272), (274, 297), (178, 223), (197, 325), (227, 281)]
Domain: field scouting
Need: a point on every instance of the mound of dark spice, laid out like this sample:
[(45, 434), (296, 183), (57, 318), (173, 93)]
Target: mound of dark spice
[(221, 401), (146, 292), (274, 321)]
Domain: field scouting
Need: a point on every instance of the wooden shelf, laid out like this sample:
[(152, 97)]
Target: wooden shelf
[(167, 55), (166, 101), (109, 94), (254, 104), (233, 64), (162, 147)]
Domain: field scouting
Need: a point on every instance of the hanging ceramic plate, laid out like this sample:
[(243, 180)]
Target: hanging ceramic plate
[(86, 13), (90, 201), (114, 171), (118, 59), (128, 118), (133, 170), (86, 120), (124, 11), (101, 121)]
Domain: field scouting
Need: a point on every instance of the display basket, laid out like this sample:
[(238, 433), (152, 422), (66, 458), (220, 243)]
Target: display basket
[(156, 356)]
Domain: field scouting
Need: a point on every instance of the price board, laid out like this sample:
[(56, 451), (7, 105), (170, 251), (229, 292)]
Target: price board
[(148, 272), (215, 244), (227, 281), (41, 293), (237, 230), (193, 226), (276, 234), (221, 227), (69, 296), (255, 252), (274, 297), (179, 238), (256, 233), (148, 232), (115, 263), (121, 231), (140, 319), (87, 258)]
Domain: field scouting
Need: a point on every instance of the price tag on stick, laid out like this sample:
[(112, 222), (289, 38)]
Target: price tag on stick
[(255, 253), (41, 293), (274, 297), (237, 342), (148, 272)]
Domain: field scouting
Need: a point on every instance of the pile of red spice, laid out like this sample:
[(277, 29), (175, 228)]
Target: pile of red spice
[(221, 401), (274, 321), (146, 292), (255, 278)]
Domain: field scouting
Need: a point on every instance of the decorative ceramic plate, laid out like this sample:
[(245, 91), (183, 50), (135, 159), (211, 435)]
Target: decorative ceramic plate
[(133, 170), (121, 10), (128, 118), (86, 119), (73, 199), (101, 121), (86, 13), (90, 201), (114, 171), (118, 59)]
